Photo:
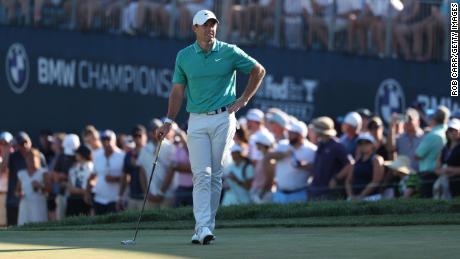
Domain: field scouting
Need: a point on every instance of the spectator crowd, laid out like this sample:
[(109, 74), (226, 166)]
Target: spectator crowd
[(409, 29), (275, 158)]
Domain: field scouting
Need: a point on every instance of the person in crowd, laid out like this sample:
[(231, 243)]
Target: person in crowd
[(132, 175), (351, 127), (331, 162), (181, 168), (277, 121), (319, 22), (31, 188), (377, 11), (365, 116), (255, 123), (91, 138), (405, 143), (45, 142), (157, 196), (429, 149), (261, 187), (401, 168), (348, 13), (238, 178), (78, 177), (155, 13), (366, 174), (6, 149), (61, 169), (108, 168), (448, 166), (13, 7), (294, 162), (293, 12), (17, 162), (242, 137)]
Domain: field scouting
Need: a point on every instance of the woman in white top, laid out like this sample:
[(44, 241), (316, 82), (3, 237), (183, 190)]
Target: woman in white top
[(32, 187), (79, 174)]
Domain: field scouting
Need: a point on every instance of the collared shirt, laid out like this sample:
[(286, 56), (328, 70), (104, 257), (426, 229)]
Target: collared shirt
[(105, 192), (330, 158), (210, 78), (407, 144), (430, 147)]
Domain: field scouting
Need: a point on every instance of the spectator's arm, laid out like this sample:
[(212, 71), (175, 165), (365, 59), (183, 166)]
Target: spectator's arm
[(349, 182), (453, 170), (47, 186), (143, 180), (377, 176), (168, 179), (438, 169), (277, 155), (18, 191), (391, 141)]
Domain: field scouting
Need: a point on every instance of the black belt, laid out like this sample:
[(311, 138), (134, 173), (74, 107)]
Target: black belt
[(220, 110)]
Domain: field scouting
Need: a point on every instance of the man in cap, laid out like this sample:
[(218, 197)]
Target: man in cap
[(277, 121), (293, 165), (17, 162), (428, 151), (205, 73), (255, 124), (331, 161), (351, 127), (108, 167)]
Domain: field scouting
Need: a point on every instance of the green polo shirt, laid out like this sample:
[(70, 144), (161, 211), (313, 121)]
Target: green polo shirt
[(429, 148), (210, 78)]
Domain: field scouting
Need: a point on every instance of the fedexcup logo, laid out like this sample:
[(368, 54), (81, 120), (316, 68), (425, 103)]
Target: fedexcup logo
[(17, 68), (389, 99)]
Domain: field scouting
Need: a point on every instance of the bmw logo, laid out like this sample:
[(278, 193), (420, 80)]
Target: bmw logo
[(389, 99), (17, 68)]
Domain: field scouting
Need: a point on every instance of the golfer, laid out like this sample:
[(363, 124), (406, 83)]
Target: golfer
[(205, 72)]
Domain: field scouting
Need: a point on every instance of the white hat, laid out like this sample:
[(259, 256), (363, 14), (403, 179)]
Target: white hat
[(255, 115), (401, 164), (70, 143), (454, 124), (264, 137), (298, 127), (201, 17), (278, 116), (236, 148), (366, 136), (353, 119), (6, 136)]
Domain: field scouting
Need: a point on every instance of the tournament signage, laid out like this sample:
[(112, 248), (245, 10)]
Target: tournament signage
[(63, 80)]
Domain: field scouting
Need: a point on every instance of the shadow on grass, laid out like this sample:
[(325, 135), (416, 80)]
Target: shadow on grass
[(36, 249)]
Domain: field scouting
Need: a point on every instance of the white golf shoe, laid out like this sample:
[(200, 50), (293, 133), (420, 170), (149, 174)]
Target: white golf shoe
[(205, 236), (195, 239)]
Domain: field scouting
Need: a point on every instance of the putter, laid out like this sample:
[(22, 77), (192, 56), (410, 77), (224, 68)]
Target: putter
[(133, 241)]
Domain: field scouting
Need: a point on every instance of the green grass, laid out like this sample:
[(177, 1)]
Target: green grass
[(344, 242), (339, 213)]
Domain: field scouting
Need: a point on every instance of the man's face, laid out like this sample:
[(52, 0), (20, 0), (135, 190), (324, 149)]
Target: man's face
[(139, 138), (90, 139), (207, 31), (25, 146), (294, 137), (107, 144)]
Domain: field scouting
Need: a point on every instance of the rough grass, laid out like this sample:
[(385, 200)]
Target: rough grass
[(337, 213)]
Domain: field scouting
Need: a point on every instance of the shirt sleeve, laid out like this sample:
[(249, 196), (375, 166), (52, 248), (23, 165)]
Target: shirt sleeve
[(179, 76), (425, 146), (242, 61)]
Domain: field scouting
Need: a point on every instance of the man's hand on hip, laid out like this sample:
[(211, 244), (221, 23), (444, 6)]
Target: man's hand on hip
[(237, 105)]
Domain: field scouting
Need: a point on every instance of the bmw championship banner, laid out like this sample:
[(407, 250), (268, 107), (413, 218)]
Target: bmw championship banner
[(64, 80)]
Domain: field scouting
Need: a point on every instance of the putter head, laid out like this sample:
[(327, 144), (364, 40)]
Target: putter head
[(128, 242)]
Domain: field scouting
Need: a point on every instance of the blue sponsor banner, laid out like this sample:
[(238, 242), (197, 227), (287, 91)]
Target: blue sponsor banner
[(64, 80)]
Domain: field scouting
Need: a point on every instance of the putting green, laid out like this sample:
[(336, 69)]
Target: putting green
[(342, 242)]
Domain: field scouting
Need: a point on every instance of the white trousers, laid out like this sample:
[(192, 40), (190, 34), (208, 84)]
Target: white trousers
[(209, 139)]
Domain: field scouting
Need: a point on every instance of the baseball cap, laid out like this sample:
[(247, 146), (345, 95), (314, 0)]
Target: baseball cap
[(278, 116), (366, 137), (264, 137), (202, 16), (324, 125), (70, 144), (6, 136), (454, 124), (375, 123), (236, 148), (353, 119), (298, 127), (108, 134), (255, 115), (22, 137), (364, 113)]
